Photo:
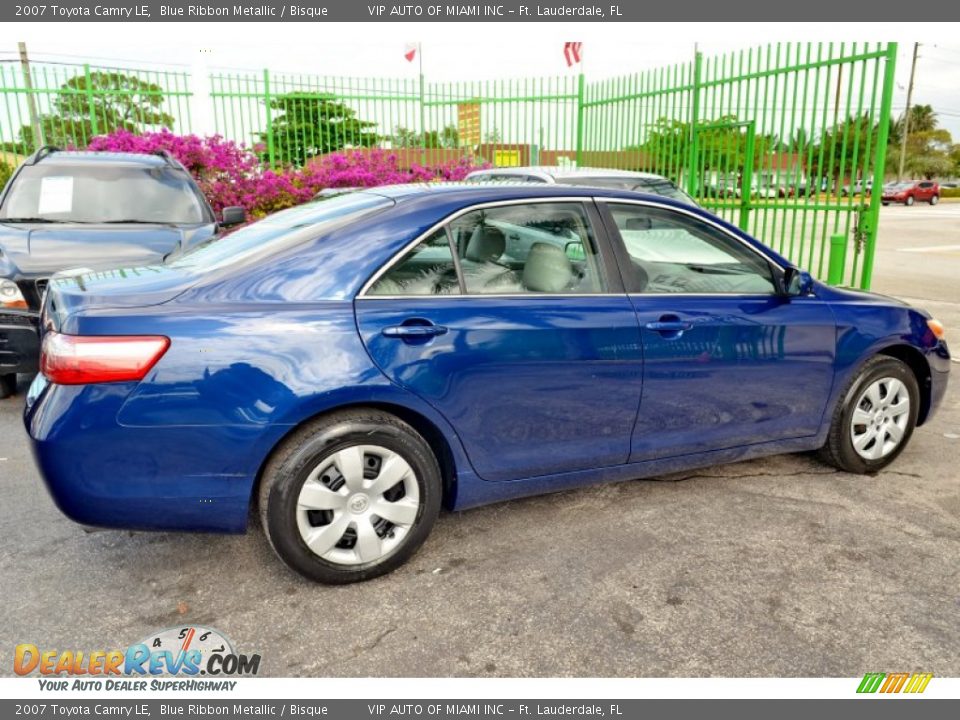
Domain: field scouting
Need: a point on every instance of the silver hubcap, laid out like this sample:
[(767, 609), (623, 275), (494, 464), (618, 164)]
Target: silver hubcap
[(358, 505), (880, 418)]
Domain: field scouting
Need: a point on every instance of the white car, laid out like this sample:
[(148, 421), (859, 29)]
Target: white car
[(585, 176)]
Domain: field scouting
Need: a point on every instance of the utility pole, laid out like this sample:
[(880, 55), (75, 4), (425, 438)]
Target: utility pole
[(31, 99), (906, 114)]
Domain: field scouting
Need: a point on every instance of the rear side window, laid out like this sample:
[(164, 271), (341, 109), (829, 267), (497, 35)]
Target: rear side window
[(428, 269), (532, 248)]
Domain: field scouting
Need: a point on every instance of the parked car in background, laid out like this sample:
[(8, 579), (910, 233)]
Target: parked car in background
[(911, 192), (350, 365), (858, 188), (95, 210), (586, 176)]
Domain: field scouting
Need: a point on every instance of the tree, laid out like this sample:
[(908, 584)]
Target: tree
[(99, 103), (930, 151), (842, 149), (928, 154), (310, 125), (403, 137)]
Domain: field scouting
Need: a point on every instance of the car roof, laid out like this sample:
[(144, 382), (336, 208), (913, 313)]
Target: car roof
[(562, 172), (83, 157)]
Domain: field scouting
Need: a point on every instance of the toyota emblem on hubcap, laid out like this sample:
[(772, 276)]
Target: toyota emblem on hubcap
[(359, 504)]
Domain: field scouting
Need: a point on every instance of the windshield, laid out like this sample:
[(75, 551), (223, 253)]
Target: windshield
[(280, 230), (95, 193), (661, 187)]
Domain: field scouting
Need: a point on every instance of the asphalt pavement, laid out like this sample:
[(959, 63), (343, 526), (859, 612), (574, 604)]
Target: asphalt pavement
[(774, 567)]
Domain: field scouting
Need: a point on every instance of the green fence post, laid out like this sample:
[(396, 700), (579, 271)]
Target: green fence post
[(838, 259), (580, 108), (694, 119), (746, 178), (266, 102), (872, 217), (88, 87)]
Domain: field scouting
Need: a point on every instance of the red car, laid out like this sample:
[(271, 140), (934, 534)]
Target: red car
[(910, 192)]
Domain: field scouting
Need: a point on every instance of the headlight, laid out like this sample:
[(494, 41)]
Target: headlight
[(10, 295)]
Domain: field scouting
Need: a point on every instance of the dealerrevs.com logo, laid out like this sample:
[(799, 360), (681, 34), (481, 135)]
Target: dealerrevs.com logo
[(175, 652), (887, 683)]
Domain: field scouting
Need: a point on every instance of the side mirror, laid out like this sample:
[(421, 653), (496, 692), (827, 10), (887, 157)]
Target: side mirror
[(795, 283), (233, 215), (574, 251)]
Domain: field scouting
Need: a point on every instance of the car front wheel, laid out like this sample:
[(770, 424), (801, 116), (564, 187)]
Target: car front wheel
[(909, 200), (350, 496), (875, 418), (934, 199)]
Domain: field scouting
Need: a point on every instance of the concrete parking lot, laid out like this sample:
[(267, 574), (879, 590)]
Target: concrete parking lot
[(775, 567)]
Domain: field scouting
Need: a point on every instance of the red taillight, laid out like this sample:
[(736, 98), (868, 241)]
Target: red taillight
[(85, 359)]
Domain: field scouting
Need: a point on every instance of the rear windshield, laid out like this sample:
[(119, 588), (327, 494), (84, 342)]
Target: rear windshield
[(664, 187), (95, 192), (280, 230)]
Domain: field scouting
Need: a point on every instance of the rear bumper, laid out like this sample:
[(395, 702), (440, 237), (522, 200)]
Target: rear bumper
[(105, 474), (19, 342)]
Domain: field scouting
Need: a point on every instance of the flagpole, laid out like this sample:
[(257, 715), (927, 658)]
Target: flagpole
[(423, 122)]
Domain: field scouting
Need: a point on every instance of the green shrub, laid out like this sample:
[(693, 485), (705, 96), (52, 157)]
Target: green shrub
[(950, 192), (5, 172)]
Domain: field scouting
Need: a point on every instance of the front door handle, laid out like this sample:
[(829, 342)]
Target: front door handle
[(413, 332)]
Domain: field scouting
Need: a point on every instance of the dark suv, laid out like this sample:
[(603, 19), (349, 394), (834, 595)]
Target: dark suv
[(99, 211)]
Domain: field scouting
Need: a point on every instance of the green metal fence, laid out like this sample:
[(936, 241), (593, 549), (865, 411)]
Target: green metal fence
[(783, 140)]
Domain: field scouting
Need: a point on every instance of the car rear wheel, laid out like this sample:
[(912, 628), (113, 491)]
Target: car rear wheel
[(8, 385), (909, 200), (350, 496), (876, 417), (934, 200)]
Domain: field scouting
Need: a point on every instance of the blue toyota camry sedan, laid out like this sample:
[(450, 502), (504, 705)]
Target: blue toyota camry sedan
[(347, 367)]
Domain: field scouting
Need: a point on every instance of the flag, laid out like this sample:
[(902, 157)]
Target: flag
[(410, 51), (572, 52)]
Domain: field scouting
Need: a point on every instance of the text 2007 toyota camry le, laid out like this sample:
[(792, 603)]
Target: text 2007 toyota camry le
[(353, 364)]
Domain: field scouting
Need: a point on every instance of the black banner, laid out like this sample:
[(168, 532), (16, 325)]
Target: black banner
[(874, 708)]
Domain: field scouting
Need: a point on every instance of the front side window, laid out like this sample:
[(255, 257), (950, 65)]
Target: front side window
[(507, 250), (674, 253), (101, 192)]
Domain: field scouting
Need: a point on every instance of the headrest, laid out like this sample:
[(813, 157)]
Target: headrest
[(487, 244), (547, 269)]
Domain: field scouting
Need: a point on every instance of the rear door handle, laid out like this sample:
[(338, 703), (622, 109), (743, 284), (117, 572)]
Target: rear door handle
[(413, 331), (669, 325)]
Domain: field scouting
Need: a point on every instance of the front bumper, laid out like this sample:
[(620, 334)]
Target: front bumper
[(19, 342)]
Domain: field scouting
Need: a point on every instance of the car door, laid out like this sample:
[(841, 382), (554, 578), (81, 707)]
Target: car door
[(924, 191), (727, 361), (534, 356)]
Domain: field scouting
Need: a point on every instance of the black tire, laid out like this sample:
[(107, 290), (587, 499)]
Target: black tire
[(909, 201), (8, 385), (315, 443), (884, 204), (839, 450)]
